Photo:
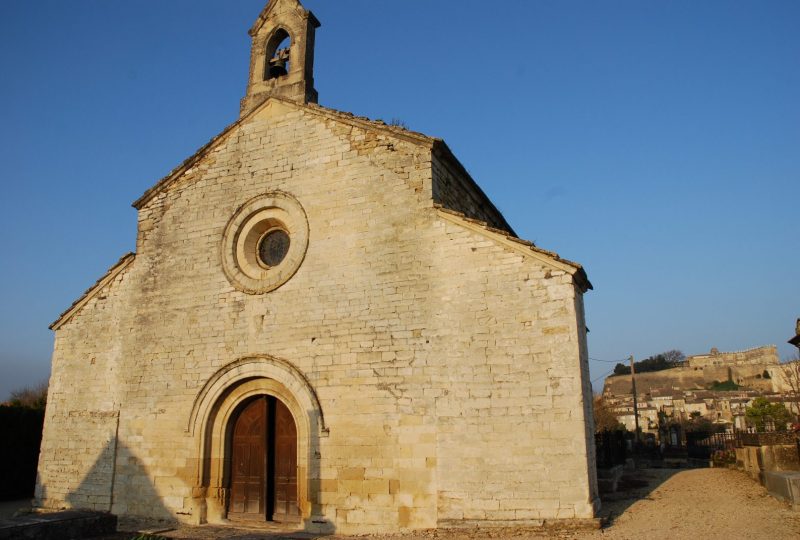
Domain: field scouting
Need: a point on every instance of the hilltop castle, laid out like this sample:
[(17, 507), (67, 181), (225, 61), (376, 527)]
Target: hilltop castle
[(717, 386)]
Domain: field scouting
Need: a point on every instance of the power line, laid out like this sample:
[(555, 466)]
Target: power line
[(603, 375), (608, 361)]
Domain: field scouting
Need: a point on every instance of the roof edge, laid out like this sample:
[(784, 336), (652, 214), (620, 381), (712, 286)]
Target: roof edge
[(367, 123), (444, 151), (349, 118), (517, 244), (109, 276), (156, 188), (264, 15)]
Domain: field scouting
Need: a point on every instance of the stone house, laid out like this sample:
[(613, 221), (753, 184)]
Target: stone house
[(325, 323)]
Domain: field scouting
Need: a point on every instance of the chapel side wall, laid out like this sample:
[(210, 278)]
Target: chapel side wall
[(351, 320), (588, 399), (513, 405), (454, 189), (79, 437)]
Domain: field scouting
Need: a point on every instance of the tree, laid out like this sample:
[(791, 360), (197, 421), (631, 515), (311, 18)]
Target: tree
[(699, 423), (674, 357), (724, 386), (657, 362), (790, 375), (604, 417), (762, 415), (30, 397), (622, 369)]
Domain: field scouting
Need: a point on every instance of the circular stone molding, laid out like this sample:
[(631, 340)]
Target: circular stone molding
[(245, 260)]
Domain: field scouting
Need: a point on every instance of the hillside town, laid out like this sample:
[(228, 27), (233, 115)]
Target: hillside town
[(716, 388), (324, 322)]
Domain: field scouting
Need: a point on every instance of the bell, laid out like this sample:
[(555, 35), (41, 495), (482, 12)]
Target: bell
[(277, 68)]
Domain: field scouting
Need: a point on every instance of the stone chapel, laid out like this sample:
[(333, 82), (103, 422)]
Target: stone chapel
[(326, 323)]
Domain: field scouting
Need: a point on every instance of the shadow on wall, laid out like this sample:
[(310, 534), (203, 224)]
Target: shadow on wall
[(117, 482), (134, 493)]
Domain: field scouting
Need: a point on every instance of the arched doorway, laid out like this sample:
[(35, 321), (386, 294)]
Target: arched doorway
[(263, 464), (213, 419)]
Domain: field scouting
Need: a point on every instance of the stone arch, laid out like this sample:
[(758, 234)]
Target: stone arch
[(211, 420), (272, 47)]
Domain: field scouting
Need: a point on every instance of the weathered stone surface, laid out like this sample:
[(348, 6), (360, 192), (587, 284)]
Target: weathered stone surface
[(435, 366), (784, 486)]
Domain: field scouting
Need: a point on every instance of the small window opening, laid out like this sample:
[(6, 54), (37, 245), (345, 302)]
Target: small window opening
[(278, 55), (273, 247)]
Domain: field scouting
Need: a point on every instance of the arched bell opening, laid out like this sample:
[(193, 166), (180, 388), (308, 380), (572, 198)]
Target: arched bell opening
[(278, 55)]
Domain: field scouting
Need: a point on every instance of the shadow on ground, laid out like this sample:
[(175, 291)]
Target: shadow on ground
[(634, 486), (131, 527)]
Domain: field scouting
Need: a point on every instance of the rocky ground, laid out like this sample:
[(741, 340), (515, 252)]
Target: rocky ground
[(709, 504)]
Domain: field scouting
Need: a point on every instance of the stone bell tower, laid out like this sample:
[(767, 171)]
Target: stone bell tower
[(282, 55)]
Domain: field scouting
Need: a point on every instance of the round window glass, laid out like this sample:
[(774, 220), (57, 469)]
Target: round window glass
[(273, 247)]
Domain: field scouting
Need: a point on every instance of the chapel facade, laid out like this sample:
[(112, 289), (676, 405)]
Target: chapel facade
[(326, 323)]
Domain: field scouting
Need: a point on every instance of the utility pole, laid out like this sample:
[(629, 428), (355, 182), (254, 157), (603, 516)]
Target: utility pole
[(635, 404)]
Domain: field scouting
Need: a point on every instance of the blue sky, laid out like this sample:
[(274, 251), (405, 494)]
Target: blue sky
[(657, 143)]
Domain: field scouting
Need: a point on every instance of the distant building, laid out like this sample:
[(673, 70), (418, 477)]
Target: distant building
[(796, 339), (757, 368), (759, 356), (717, 386)]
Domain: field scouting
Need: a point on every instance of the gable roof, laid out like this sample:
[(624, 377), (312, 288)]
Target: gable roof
[(525, 247), (347, 118), (435, 144), (109, 276)]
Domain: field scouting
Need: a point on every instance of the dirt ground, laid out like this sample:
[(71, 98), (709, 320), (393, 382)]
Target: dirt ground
[(707, 504)]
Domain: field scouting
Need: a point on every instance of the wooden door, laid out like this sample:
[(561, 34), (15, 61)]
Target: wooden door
[(249, 461), (285, 508), (264, 463)]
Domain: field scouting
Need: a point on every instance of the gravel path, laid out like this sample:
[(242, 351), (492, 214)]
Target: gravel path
[(707, 504)]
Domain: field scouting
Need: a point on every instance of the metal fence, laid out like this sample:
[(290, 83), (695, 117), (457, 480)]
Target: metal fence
[(611, 448), (702, 445), (768, 438)]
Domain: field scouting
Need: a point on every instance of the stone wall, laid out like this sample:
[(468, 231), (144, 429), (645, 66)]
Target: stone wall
[(449, 362), (454, 189), (759, 356), (76, 459), (512, 408), (757, 460), (691, 378)]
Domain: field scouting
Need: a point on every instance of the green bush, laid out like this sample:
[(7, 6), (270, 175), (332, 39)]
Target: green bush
[(724, 457), (725, 386), (763, 414)]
